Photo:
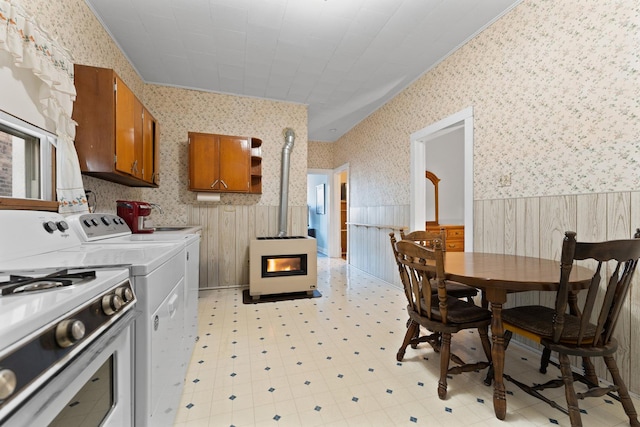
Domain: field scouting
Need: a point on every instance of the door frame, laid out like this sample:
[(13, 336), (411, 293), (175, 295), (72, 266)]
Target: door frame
[(418, 214), (335, 249)]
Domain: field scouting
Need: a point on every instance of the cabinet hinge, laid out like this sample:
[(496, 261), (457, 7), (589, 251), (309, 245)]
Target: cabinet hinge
[(189, 141), (115, 159)]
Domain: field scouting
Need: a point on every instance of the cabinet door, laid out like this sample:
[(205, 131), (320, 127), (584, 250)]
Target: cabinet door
[(125, 128), (235, 163), (203, 161), (150, 149)]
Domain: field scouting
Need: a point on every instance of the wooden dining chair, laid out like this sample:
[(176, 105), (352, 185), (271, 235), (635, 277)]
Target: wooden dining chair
[(425, 238), (586, 331), (454, 289), (438, 312)]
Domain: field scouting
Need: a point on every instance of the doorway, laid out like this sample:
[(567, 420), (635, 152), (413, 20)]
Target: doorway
[(319, 205), (344, 211), (420, 141), (339, 245)]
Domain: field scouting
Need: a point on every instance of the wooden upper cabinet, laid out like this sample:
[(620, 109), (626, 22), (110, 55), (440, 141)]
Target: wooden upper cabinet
[(203, 161), (221, 163), (126, 112), (150, 148), (116, 136)]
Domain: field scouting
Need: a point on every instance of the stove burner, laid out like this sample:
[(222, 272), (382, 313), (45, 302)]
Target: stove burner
[(61, 278)]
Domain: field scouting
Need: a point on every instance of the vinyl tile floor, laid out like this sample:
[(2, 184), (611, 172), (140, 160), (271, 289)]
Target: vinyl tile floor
[(331, 361)]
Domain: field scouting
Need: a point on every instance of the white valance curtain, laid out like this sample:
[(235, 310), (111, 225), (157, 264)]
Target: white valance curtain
[(32, 48)]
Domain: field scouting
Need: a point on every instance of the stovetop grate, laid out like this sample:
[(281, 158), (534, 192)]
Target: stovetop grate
[(18, 284)]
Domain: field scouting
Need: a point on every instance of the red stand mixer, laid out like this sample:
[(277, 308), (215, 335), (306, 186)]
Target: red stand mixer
[(136, 215)]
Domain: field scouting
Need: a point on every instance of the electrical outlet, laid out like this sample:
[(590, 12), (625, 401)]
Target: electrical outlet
[(505, 180)]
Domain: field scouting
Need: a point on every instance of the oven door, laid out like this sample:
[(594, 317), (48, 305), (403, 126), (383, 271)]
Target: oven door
[(94, 389)]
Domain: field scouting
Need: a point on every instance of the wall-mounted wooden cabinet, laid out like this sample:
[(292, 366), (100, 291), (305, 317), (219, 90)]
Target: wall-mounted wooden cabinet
[(116, 136), (224, 164)]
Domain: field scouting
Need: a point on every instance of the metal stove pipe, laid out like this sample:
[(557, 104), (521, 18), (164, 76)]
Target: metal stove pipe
[(289, 138)]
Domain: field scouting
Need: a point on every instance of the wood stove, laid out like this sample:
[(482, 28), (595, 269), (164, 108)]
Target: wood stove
[(282, 264)]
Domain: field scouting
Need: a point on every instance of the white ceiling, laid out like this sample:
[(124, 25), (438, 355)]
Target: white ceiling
[(343, 58)]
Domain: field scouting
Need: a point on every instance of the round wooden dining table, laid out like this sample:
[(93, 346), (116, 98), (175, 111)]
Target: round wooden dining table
[(497, 275)]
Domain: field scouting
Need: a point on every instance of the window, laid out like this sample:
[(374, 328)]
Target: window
[(26, 165)]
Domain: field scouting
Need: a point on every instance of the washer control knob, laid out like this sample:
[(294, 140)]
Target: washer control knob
[(111, 304), (8, 383), (124, 293), (62, 226), (50, 226), (105, 220), (69, 332)]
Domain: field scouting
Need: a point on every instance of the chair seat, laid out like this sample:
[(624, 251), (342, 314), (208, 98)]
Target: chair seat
[(456, 289), (538, 320), (459, 311)]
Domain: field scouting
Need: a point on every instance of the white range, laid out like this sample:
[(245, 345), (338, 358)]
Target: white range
[(66, 327)]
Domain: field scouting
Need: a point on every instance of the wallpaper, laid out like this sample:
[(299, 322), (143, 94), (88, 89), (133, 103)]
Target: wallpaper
[(320, 155), (180, 111), (555, 91)]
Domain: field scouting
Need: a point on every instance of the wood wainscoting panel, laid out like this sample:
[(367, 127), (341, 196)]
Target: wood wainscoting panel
[(478, 226), (226, 233), (510, 226), (227, 246), (527, 237), (634, 299), (557, 215), (592, 218), (493, 229), (529, 218), (619, 227), (245, 220)]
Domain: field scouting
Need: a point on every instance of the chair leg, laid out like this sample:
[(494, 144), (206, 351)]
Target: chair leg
[(544, 360), (626, 401), (412, 329), (445, 354), (414, 344), (486, 344), (589, 371), (569, 392), (484, 303)]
